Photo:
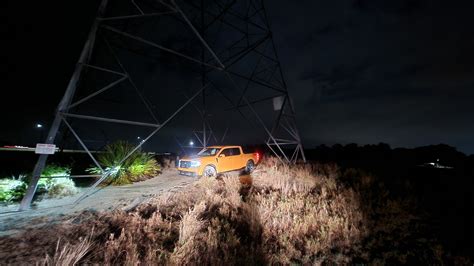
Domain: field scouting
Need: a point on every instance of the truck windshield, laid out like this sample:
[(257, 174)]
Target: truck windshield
[(208, 152)]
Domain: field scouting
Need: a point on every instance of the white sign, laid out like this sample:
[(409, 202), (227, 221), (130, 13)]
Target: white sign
[(45, 148)]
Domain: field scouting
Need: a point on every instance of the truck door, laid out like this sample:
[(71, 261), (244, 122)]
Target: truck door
[(236, 160), (224, 160)]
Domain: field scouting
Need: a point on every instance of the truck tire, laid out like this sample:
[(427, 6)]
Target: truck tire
[(209, 171), (250, 166)]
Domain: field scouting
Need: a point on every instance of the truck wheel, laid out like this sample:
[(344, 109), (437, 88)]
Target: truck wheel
[(250, 166), (209, 171)]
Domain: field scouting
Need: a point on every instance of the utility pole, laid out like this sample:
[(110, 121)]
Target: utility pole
[(63, 105)]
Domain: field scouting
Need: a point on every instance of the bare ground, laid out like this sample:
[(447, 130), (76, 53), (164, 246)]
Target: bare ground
[(110, 198)]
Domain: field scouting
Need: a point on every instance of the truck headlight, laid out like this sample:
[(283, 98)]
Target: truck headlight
[(195, 163)]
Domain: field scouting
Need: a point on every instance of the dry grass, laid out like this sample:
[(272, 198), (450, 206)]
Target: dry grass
[(67, 254), (283, 214)]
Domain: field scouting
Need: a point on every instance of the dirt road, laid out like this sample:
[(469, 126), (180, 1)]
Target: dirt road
[(104, 199)]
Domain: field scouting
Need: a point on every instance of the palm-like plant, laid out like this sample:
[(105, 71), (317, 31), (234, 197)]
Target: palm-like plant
[(137, 167)]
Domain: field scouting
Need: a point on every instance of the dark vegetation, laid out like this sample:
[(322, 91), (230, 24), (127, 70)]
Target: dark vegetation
[(443, 196)]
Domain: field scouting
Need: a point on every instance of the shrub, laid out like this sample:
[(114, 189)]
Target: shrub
[(12, 189), (60, 187), (168, 163), (54, 183), (139, 166), (54, 170)]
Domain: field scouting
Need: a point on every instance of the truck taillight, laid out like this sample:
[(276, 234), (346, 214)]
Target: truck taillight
[(257, 155)]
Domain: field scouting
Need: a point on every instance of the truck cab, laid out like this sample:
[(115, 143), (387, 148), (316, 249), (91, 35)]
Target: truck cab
[(214, 160)]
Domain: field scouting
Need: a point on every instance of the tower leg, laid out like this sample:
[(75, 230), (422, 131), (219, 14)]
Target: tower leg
[(66, 100)]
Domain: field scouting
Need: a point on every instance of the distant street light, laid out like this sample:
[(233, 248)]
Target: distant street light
[(40, 130), (191, 143), (138, 138)]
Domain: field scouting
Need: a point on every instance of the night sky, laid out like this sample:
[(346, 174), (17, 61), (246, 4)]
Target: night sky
[(363, 71)]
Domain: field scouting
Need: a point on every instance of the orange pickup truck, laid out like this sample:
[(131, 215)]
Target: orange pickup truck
[(218, 159)]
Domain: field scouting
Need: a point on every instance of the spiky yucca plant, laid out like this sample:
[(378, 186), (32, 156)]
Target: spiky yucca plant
[(139, 166)]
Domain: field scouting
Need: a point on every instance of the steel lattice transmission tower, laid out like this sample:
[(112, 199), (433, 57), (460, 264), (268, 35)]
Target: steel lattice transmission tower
[(223, 46)]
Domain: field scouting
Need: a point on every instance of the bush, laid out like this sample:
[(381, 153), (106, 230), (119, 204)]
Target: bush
[(12, 190), (138, 167), (60, 187), (54, 170), (54, 182)]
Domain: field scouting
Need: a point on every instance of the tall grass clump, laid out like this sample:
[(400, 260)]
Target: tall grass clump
[(302, 215), (67, 254), (137, 167)]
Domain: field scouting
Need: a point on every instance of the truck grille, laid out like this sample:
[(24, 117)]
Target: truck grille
[(184, 164)]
